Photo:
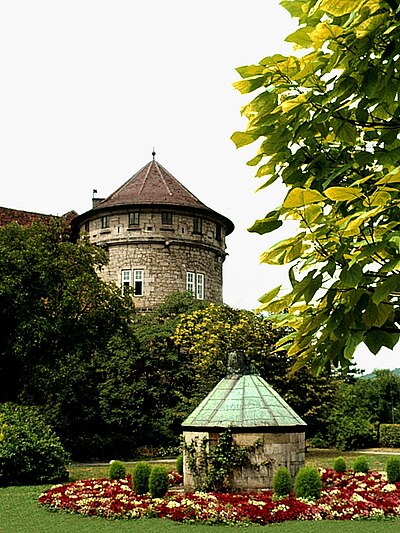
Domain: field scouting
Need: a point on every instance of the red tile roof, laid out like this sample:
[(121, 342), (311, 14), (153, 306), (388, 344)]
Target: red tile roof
[(27, 218), (153, 184)]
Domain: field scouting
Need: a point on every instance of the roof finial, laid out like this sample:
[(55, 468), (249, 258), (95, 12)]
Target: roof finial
[(153, 153)]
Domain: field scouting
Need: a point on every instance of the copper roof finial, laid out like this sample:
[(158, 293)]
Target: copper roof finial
[(153, 153)]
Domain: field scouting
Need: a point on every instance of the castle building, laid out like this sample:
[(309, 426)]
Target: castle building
[(159, 237)]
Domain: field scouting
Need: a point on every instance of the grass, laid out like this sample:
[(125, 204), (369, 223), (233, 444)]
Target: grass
[(325, 458), (314, 457), (20, 512)]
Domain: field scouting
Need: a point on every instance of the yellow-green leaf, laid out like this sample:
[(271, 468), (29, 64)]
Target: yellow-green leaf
[(337, 8), (288, 105), (241, 138), (339, 194), (270, 295), (392, 177), (301, 197), (324, 31), (377, 198)]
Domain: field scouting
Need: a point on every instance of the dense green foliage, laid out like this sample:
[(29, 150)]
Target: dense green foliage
[(117, 470), (327, 122), (393, 469), (56, 316), (158, 481), (30, 452), (340, 464), (140, 477), (307, 483), (361, 464), (281, 482), (389, 435), (359, 407)]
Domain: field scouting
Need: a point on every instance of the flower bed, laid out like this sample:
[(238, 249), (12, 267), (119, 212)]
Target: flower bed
[(345, 496)]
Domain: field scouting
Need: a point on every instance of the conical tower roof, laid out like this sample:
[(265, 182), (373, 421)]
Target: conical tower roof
[(154, 185), (244, 402)]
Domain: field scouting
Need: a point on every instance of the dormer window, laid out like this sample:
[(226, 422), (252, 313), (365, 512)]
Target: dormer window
[(166, 218), (105, 222), (134, 218), (197, 225)]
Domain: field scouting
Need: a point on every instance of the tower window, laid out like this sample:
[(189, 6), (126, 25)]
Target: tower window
[(197, 225), (126, 280), (138, 280), (200, 286), (166, 218), (87, 227), (105, 222), (195, 284), (132, 278), (134, 218)]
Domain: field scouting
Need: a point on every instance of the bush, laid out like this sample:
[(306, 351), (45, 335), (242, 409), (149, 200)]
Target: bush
[(30, 452), (117, 470), (320, 441), (361, 465), (140, 477), (158, 481), (281, 482), (354, 432), (308, 483), (179, 464), (390, 435), (393, 469), (339, 464)]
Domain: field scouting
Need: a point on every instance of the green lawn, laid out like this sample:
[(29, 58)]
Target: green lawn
[(20, 513)]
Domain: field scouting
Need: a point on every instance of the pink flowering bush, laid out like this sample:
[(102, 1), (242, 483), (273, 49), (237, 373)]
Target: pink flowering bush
[(344, 496)]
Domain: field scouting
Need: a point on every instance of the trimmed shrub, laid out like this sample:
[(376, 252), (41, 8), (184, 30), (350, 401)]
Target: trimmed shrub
[(390, 435), (308, 483), (393, 469), (30, 452), (361, 465), (281, 482), (179, 464), (339, 464), (158, 481), (117, 470), (140, 477)]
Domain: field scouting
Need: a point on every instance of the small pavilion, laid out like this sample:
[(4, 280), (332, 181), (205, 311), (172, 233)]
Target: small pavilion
[(258, 418)]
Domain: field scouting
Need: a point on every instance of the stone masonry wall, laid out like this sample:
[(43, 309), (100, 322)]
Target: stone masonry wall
[(165, 252), (272, 451)]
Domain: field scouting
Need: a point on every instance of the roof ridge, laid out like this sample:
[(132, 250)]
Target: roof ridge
[(162, 177), (146, 176)]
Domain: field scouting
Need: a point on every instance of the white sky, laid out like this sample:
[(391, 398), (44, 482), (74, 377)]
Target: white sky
[(90, 86)]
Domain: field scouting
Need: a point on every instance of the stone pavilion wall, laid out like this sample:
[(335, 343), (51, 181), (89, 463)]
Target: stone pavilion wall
[(272, 451)]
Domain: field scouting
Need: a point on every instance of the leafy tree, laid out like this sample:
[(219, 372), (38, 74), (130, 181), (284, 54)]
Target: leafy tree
[(56, 314), (144, 380), (208, 335), (359, 408), (327, 119)]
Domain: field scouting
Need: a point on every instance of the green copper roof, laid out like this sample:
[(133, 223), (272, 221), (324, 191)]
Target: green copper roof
[(243, 401)]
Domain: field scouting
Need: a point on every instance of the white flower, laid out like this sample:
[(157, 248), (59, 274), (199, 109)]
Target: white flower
[(389, 487)]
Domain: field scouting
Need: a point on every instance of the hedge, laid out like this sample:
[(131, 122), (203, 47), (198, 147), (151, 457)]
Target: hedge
[(390, 435)]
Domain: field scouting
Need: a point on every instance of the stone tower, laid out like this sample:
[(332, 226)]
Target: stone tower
[(159, 237)]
